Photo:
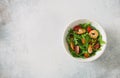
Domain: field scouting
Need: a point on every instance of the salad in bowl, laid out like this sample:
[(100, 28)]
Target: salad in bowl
[(85, 40)]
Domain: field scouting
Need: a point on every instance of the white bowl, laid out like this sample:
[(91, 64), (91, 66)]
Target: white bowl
[(97, 26)]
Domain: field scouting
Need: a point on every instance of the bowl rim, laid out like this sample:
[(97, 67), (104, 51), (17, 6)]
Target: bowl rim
[(86, 59)]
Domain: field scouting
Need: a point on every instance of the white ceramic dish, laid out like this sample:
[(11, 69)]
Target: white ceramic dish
[(97, 26)]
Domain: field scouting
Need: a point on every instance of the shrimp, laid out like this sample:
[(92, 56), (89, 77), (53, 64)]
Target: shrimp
[(72, 45), (81, 31), (83, 40), (77, 49), (90, 50), (93, 34)]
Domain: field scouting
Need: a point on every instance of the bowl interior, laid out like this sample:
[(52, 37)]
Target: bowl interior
[(97, 26)]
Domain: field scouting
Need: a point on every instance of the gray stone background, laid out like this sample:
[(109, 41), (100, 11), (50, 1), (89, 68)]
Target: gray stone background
[(31, 34)]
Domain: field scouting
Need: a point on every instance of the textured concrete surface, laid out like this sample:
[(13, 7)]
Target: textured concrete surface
[(31, 34)]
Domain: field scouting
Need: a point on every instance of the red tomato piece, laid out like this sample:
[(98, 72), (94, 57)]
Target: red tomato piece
[(76, 28), (97, 46), (89, 28), (86, 55)]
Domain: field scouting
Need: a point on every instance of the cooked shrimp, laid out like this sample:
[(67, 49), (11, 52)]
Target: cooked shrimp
[(72, 45), (77, 49), (90, 50), (93, 34), (83, 40), (81, 31)]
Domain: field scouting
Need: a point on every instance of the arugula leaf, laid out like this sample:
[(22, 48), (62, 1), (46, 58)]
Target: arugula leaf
[(75, 41), (100, 40), (85, 25), (76, 36)]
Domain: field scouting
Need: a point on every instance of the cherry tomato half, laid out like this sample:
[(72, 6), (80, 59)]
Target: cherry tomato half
[(76, 28), (89, 28)]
